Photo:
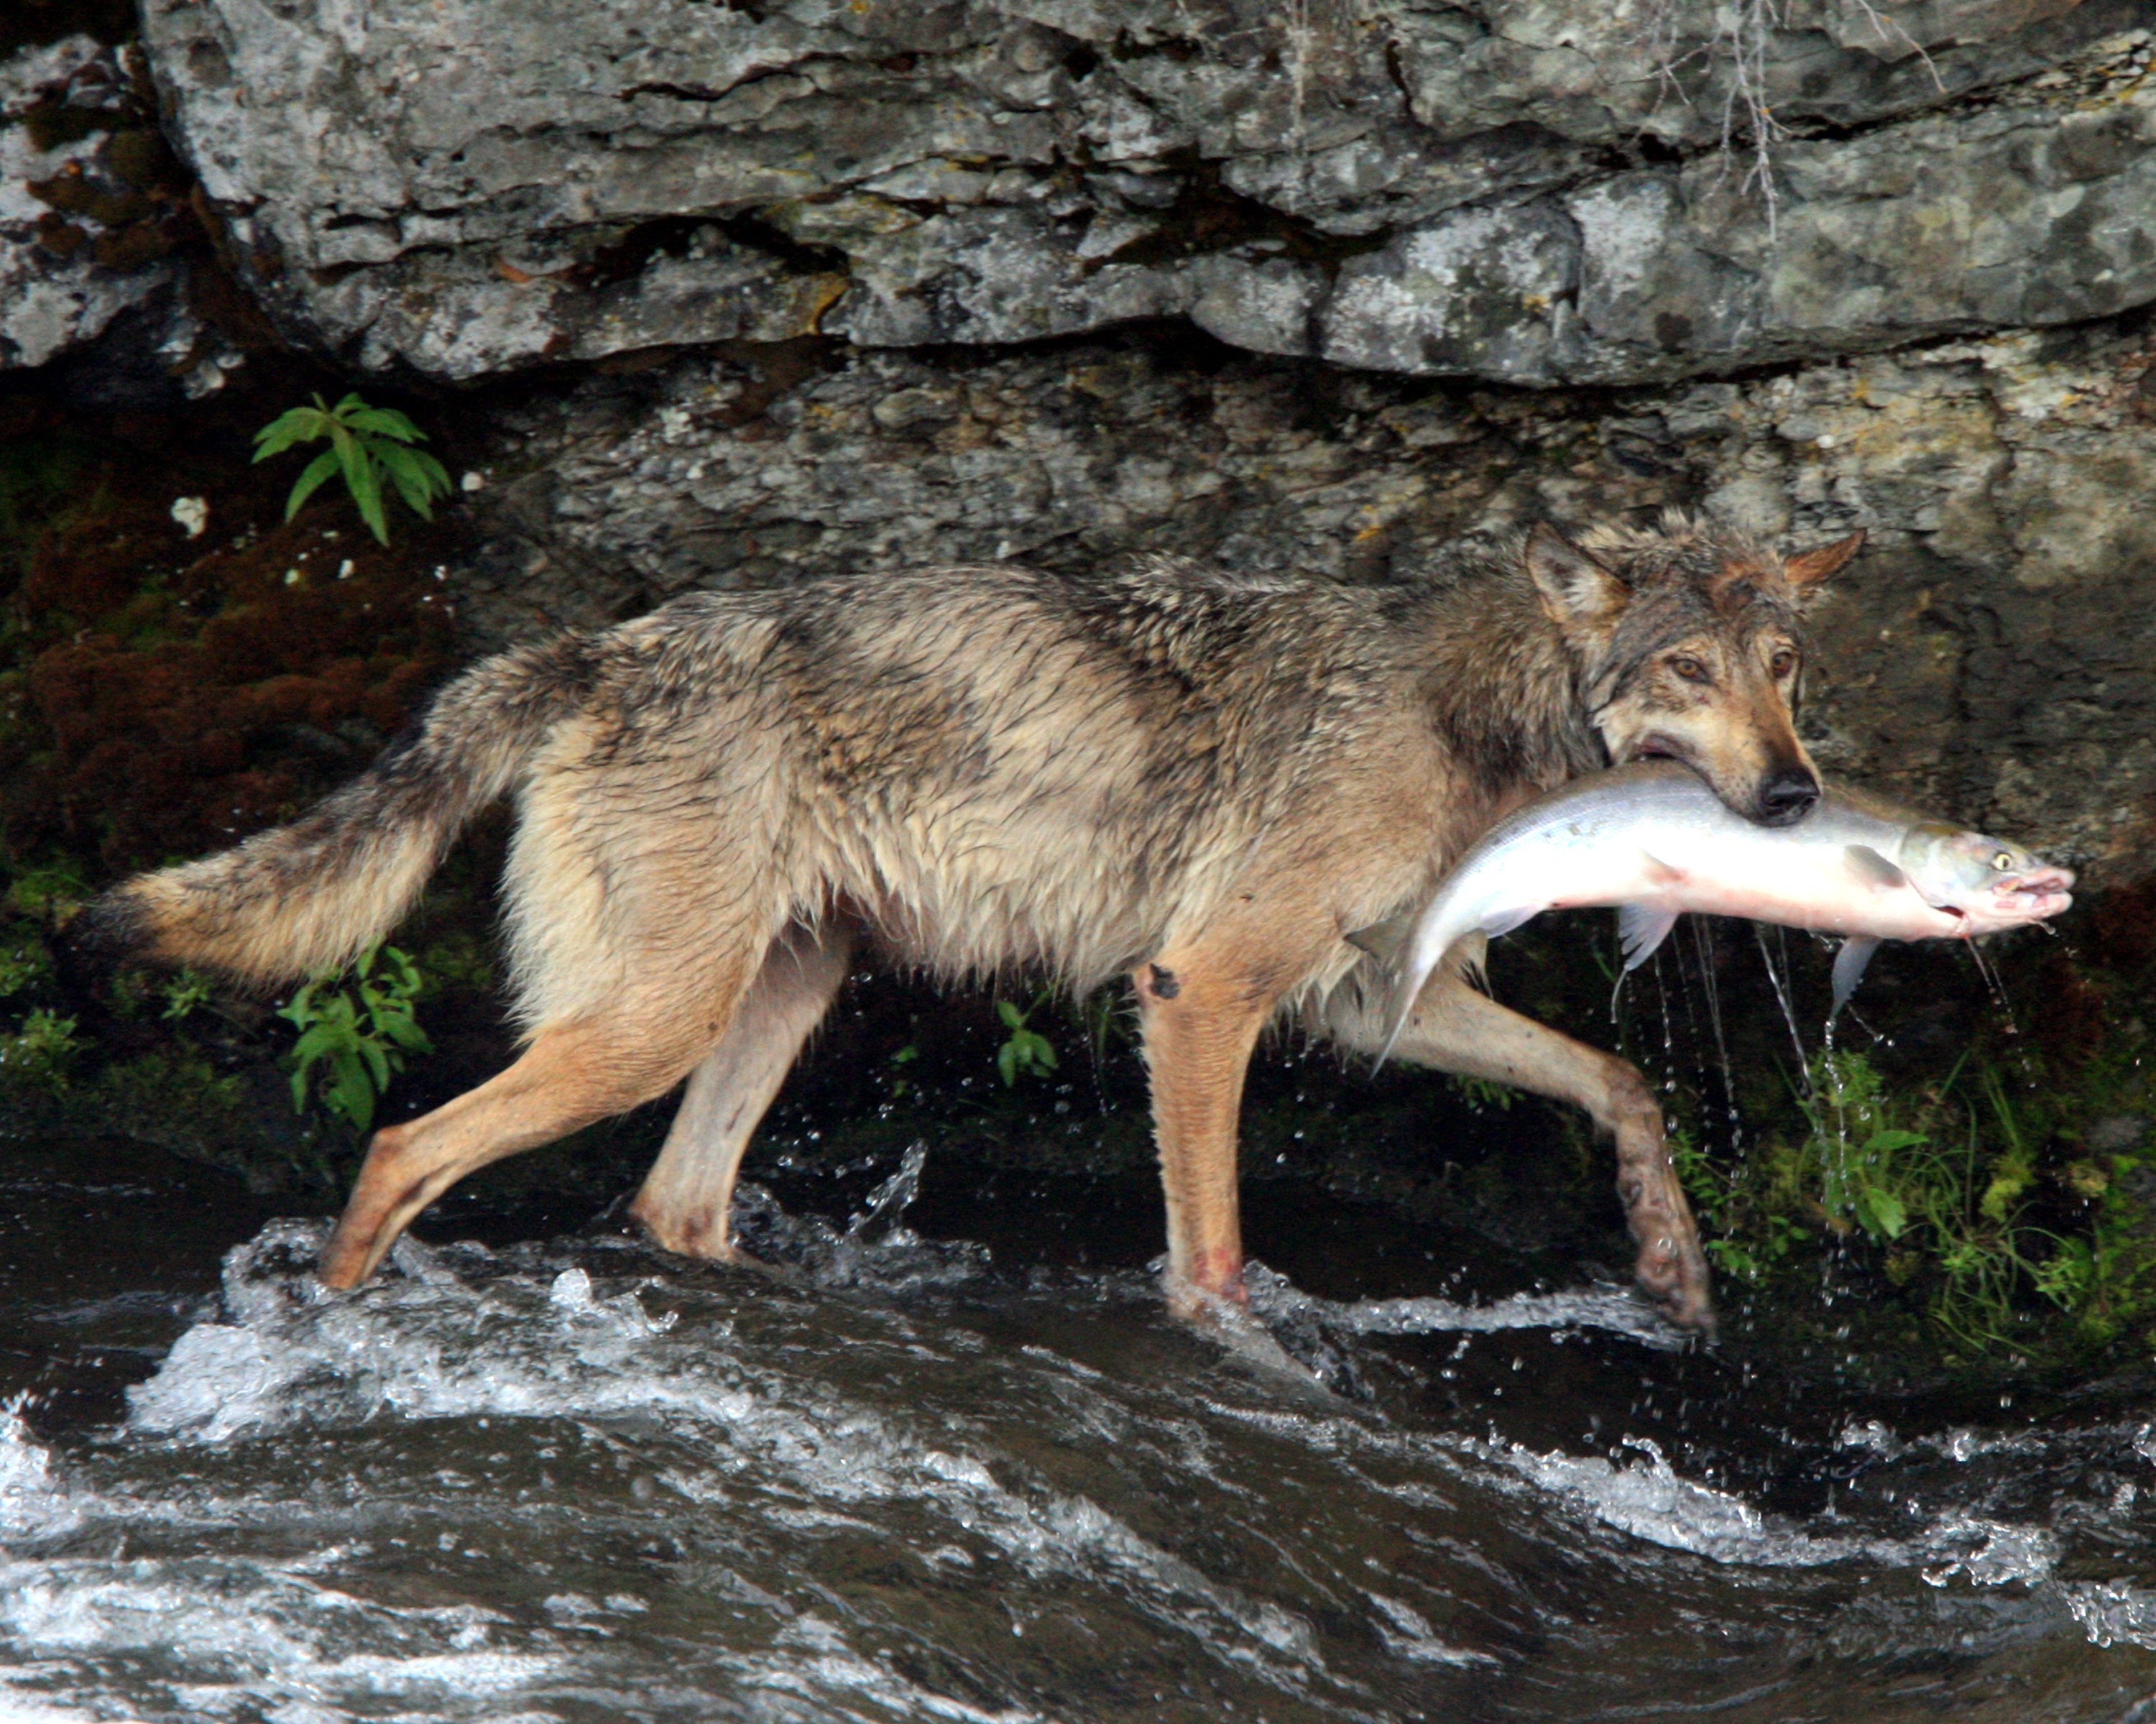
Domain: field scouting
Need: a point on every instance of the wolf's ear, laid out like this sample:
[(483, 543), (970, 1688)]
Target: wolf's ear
[(1816, 565), (1575, 588)]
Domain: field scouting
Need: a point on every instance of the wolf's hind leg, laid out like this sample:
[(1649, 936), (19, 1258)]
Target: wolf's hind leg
[(573, 1073), (685, 1199), (1457, 1029)]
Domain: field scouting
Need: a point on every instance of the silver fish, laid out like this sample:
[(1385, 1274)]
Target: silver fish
[(1652, 839)]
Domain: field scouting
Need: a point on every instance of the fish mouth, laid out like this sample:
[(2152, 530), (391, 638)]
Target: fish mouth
[(2034, 894), (2039, 896)]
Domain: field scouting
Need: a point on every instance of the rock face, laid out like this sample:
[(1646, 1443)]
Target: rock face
[(1993, 653), (1533, 190), (55, 293), (92, 221), (1326, 283)]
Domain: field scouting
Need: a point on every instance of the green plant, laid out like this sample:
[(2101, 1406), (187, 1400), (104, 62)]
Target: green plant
[(1479, 1093), (24, 963), (366, 444), (40, 1052), (1938, 1181), (1025, 1052), (358, 1032), (183, 993), (47, 892)]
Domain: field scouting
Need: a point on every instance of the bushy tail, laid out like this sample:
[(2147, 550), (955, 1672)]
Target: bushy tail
[(301, 899)]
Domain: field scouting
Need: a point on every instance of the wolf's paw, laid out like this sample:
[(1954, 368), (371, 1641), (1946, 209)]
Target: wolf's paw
[(1672, 1271)]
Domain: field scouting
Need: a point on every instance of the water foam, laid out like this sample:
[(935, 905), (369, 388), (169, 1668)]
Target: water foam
[(463, 1334), (1614, 1309), (33, 1504)]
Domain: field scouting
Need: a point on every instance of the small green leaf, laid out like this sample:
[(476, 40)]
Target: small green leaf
[(1885, 1142), (1880, 1213), (410, 479), (298, 424), (318, 470), (403, 1031), (381, 422)]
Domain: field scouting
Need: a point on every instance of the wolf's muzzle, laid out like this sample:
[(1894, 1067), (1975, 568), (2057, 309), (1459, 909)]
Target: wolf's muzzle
[(1787, 796)]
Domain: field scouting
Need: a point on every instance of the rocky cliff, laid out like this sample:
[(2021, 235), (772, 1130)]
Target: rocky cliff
[(806, 286)]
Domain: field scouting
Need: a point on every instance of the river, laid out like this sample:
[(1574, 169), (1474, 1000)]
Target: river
[(937, 1476)]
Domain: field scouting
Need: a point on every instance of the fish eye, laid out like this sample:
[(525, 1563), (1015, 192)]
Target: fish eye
[(2004, 861), (1690, 669)]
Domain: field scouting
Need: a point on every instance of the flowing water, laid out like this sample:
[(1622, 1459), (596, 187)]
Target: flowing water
[(902, 1477)]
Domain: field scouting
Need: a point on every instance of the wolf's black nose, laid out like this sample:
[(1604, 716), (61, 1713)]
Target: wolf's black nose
[(1787, 796)]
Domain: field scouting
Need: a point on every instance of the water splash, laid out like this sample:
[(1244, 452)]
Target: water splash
[(1617, 1309)]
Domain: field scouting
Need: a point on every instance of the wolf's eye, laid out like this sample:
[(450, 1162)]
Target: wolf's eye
[(1783, 663), (1690, 669)]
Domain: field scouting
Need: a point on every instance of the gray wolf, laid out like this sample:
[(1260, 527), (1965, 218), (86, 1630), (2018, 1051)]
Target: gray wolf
[(1199, 782)]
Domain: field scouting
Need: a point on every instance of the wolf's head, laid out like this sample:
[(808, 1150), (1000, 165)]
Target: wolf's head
[(1689, 646)]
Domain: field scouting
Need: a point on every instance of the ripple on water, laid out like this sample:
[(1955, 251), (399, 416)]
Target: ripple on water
[(579, 1481)]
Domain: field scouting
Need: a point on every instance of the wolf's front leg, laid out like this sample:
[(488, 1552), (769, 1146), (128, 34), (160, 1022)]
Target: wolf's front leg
[(1454, 1029), (1200, 1025)]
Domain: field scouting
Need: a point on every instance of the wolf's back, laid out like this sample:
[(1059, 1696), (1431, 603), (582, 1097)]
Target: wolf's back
[(297, 899)]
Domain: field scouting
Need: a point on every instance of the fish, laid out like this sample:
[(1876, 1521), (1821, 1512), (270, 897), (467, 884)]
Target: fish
[(1653, 839)]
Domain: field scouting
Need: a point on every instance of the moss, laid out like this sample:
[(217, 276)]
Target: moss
[(171, 694)]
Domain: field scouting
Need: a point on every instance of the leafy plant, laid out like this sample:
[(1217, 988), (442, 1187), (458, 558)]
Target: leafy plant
[(367, 444), (1940, 1181), (40, 1052), (1479, 1093), (47, 892), (1025, 1052), (183, 993), (357, 1032), (24, 964)]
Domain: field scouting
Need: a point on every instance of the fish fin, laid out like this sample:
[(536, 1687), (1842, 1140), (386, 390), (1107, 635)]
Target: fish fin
[(1874, 870), (1506, 921), (1382, 940), (1642, 928), (1408, 982), (1848, 969), (1474, 966), (1661, 873)]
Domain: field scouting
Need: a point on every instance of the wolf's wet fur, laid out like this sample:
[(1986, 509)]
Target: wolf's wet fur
[(1202, 781)]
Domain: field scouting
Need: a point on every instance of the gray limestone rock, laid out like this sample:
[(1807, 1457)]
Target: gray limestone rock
[(1525, 190), (56, 293)]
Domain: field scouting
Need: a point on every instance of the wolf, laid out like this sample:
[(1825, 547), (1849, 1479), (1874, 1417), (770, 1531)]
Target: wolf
[(1202, 782)]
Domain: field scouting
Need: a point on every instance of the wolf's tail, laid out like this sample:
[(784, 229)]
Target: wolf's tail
[(301, 899)]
